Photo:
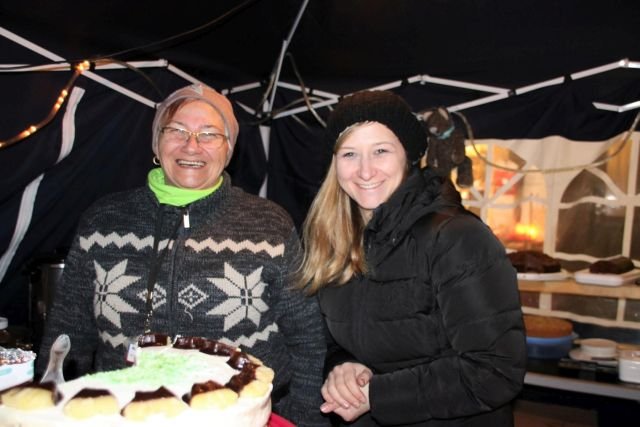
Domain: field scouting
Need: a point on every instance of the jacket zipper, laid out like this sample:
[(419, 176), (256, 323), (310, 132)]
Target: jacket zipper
[(185, 217)]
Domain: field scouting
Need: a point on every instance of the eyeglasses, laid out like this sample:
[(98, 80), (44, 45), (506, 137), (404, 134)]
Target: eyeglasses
[(172, 134)]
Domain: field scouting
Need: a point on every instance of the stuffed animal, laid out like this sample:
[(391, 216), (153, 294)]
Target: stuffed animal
[(446, 146)]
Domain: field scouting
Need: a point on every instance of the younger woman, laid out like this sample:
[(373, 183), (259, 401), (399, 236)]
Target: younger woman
[(420, 301)]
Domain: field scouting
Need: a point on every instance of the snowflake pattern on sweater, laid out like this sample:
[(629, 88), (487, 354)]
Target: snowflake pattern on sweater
[(244, 297)]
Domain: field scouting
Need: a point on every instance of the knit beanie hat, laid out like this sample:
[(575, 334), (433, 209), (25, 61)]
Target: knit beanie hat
[(383, 107), (203, 93)]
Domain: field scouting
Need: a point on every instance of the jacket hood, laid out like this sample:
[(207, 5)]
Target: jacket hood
[(423, 192)]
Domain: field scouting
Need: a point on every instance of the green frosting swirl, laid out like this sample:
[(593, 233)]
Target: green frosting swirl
[(153, 369)]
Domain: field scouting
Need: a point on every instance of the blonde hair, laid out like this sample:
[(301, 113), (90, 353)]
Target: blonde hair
[(333, 234)]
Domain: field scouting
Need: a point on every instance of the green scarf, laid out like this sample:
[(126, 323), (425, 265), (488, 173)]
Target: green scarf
[(174, 196)]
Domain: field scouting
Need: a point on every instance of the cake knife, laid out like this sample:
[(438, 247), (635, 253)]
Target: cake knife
[(58, 352)]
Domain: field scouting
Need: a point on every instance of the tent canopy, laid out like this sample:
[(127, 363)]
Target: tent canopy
[(336, 45)]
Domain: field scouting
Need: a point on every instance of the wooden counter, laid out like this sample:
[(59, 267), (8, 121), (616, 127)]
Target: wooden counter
[(610, 306), (570, 287)]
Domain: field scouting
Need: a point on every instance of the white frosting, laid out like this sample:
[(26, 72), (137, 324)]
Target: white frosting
[(199, 367)]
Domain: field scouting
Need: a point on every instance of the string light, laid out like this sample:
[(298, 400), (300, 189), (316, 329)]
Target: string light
[(64, 93)]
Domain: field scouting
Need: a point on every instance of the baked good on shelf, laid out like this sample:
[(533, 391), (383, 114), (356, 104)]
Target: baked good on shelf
[(531, 261), (546, 327), (192, 381), (617, 265)]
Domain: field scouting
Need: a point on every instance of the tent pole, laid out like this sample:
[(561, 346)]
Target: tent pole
[(52, 56), (285, 46), (601, 69), (31, 46), (617, 108)]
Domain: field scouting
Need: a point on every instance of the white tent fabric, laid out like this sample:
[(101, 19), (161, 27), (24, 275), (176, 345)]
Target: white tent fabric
[(31, 191)]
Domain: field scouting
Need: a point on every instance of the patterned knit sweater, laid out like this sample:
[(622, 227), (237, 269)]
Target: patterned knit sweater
[(224, 266)]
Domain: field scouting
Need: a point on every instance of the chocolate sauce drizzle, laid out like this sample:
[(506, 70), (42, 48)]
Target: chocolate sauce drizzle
[(153, 340), (205, 345), (238, 381), (200, 388), (89, 393), (145, 396), (238, 360), (160, 393)]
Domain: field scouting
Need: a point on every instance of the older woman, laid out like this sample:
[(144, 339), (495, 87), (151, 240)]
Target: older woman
[(420, 301), (189, 254)]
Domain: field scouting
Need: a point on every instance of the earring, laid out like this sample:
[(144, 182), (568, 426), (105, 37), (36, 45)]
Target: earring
[(156, 161)]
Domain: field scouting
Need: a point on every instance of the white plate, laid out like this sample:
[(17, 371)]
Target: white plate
[(578, 354), (584, 276), (560, 275)]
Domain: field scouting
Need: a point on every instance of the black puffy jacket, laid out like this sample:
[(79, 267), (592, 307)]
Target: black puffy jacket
[(437, 318)]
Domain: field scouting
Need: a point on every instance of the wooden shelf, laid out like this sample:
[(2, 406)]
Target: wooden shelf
[(629, 291)]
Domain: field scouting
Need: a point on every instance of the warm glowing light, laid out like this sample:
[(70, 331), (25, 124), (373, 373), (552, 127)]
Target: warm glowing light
[(84, 65), (30, 130), (469, 151), (527, 231)]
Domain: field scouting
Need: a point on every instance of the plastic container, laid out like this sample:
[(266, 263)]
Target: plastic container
[(599, 348), (15, 374), (629, 366), (549, 348), (16, 367)]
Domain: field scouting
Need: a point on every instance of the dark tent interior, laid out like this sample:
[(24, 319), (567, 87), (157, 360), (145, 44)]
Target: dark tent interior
[(283, 63)]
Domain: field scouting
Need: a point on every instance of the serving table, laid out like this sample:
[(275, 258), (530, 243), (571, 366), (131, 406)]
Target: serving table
[(571, 287), (580, 377), (576, 384), (580, 388)]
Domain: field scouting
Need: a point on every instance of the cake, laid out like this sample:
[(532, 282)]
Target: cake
[(192, 381), (546, 327), (534, 262), (616, 265)]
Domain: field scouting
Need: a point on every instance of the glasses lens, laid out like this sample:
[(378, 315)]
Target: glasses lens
[(173, 134), (209, 137), (181, 135)]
